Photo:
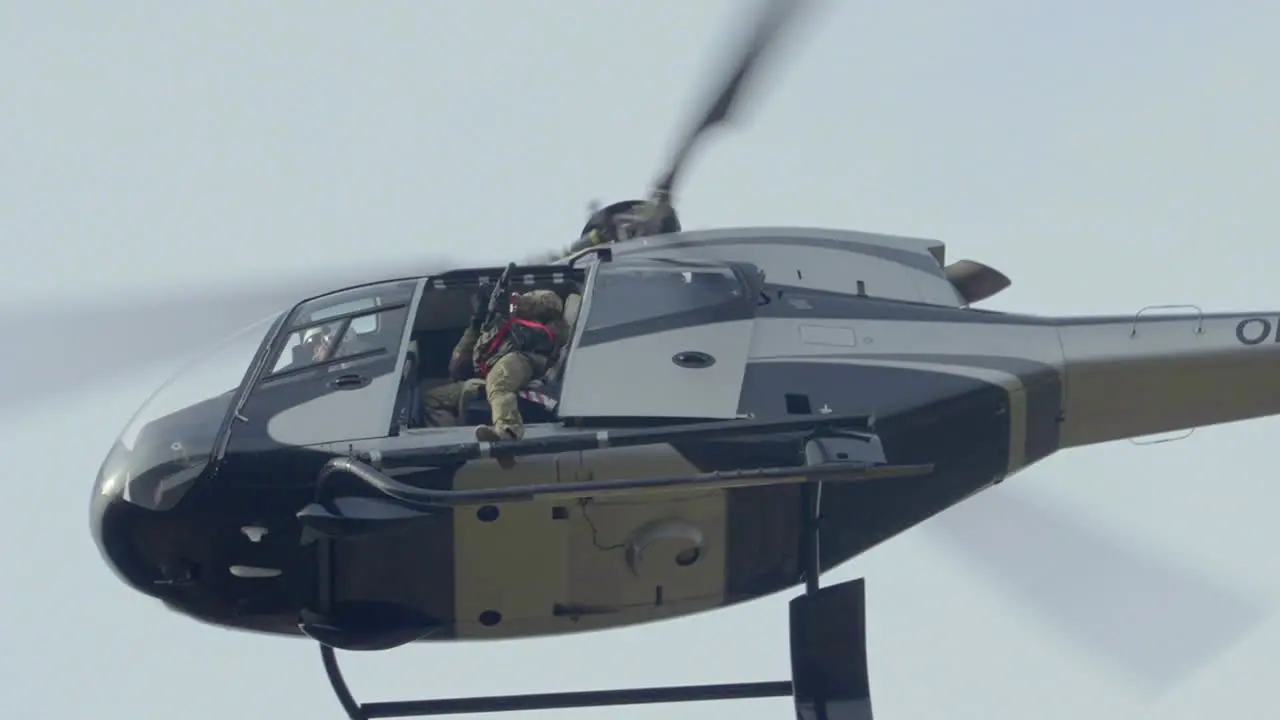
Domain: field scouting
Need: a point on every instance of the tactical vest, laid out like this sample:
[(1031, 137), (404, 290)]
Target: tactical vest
[(491, 348)]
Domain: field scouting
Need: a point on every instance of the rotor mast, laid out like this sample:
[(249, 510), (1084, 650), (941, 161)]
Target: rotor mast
[(657, 215)]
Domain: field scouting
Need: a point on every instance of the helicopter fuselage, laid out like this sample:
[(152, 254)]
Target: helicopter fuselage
[(760, 329)]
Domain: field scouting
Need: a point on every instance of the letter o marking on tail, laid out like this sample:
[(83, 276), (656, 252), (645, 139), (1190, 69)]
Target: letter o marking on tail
[(1253, 331)]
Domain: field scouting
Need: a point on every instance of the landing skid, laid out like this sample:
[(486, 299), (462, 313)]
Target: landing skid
[(828, 673)]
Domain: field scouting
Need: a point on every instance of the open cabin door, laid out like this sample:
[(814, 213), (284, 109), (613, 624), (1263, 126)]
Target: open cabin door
[(660, 339), (333, 374)]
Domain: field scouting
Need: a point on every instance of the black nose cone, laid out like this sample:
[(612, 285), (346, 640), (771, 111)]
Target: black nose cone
[(115, 525), (134, 514)]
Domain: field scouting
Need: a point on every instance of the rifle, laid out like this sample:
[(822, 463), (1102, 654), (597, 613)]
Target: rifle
[(501, 291)]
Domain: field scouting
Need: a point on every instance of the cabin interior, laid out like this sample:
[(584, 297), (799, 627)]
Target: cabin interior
[(443, 315)]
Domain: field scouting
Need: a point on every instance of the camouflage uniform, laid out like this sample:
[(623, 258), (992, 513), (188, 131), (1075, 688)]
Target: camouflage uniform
[(521, 354)]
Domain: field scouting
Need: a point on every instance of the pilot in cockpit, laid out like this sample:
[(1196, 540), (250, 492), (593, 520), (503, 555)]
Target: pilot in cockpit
[(318, 343)]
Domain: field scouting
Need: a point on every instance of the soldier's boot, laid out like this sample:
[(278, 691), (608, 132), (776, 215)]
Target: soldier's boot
[(490, 434), (498, 433), (507, 423)]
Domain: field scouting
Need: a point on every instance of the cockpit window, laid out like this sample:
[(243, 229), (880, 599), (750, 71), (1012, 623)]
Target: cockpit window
[(349, 324), (364, 324), (325, 342), (624, 294)]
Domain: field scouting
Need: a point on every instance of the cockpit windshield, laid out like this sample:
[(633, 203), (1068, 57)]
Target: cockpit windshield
[(211, 379), (169, 442)]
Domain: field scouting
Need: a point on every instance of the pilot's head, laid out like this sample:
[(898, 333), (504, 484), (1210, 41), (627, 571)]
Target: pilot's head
[(538, 305), (319, 342)]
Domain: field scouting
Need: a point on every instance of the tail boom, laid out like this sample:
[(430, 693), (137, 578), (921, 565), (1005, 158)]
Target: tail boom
[(1127, 377)]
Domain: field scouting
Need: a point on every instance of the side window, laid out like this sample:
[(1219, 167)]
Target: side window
[(363, 325), (622, 295), (325, 342), (351, 324)]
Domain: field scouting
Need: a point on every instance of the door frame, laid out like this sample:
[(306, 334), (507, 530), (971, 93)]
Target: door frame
[(255, 433), (740, 312)]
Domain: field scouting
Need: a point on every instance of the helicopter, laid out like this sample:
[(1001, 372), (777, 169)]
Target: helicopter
[(789, 398)]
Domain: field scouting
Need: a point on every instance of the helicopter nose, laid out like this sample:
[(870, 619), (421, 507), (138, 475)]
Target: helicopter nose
[(115, 525)]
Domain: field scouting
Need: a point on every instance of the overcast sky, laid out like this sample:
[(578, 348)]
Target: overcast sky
[(1105, 155)]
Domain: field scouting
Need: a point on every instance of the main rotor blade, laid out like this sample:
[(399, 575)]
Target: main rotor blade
[(57, 351), (1155, 620), (773, 20)]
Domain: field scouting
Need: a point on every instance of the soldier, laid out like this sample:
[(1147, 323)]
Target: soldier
[(504, 358)]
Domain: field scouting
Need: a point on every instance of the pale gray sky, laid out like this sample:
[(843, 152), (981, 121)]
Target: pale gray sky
[(1105, 155)]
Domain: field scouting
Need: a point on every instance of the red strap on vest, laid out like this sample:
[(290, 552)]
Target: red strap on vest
[(496, 342)]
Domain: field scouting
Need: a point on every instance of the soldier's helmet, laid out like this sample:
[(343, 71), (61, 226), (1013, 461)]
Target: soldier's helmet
[(540, 306)]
